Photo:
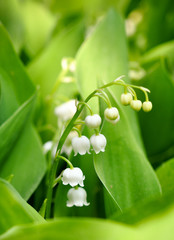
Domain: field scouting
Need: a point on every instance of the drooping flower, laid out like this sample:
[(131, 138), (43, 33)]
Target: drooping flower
[(126, 98), (73, 177), (147, 106), (98, 143), (47, 146), (67, 146), (66, 110), (136, 105), (77, 197), (93, 121), (81, 145), (112, 115), (50, 146)]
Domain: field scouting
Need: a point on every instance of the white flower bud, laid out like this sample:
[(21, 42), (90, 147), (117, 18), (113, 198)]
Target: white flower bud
[(93, 121), (126, 98), (50, 146), (112, 115), (80, 145), (147, 106), (64, 63), (98, 143), (73, 177), (77, 197), (66, 110), (67, 146), (47, 146), (72, 66), (136, 105)]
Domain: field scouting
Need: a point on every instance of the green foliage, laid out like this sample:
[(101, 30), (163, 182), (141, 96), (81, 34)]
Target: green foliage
[(129, 183), (14, 210)]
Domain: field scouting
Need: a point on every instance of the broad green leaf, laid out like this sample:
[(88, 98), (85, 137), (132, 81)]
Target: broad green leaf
[(10, 16), (163, 50), (14, 210), (38, 26), (8, 99), (11, 129), (156, 22), (160, 227), (123, 168), (165, 175), (26, 162), (158, 139), (45, 69), (11, 64), (21, 150), (145, 209), (73, 228)]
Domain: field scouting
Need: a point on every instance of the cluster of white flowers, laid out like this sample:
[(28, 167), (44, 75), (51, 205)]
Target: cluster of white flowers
[(81, 144), (76, 196)]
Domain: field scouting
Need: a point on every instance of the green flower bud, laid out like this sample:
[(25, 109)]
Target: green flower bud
[(112, 115), (147, 106), (126, 98), (136, 105)]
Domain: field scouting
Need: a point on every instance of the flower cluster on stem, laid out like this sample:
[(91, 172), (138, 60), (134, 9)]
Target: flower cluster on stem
[(81, 144)]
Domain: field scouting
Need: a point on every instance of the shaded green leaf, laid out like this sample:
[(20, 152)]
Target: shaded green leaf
[(26, 162), (14, 210), (158, 139), (11, 64)]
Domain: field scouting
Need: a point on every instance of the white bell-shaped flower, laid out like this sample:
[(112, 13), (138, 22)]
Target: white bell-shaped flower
[(77, 197), (73, 177), (112, 115), (93, 121), (66, 110), (50, 146), (98, 143), (81, 145), (67, 146), (47, 146)]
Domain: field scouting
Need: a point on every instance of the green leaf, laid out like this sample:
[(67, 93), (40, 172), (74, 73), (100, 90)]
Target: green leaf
[(26, 162), (21, 150), (160, 51), (14, 210), (123, 168), (45, 69), (143, 210), (157, 139), (38, 26), (13, 118), (73, 229), (11, 64), (11, 18), (165, 175)]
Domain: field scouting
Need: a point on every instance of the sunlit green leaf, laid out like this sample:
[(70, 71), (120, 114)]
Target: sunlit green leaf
[(123, 168), (73, 229)]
